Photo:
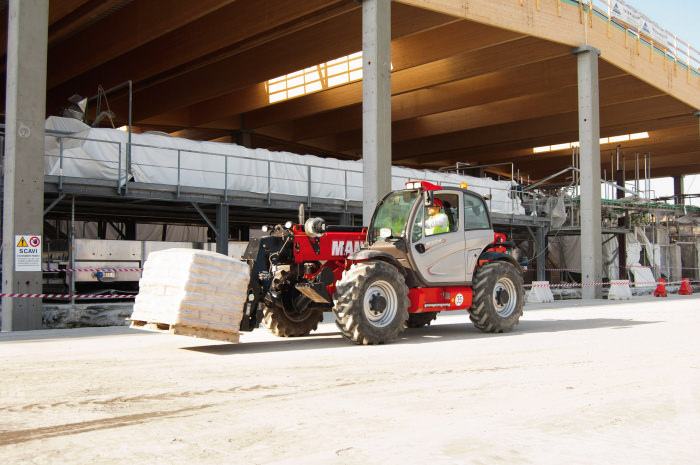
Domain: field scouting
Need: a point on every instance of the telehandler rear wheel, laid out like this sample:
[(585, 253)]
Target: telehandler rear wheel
[(371, 303), (498, 297), (292, 316)]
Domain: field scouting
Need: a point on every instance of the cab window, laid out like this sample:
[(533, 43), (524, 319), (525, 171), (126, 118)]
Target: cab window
[(440, 218), (475, 213)]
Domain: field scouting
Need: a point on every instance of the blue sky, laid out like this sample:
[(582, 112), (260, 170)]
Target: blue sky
[(680, 17)]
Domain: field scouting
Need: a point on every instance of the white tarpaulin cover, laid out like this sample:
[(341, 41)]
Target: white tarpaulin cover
[(610, 257), (101, 154), (634, 251)]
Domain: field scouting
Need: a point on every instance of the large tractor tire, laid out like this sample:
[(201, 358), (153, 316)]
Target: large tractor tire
[(498, 297), (371, 303), (292, 316), (418, 320)]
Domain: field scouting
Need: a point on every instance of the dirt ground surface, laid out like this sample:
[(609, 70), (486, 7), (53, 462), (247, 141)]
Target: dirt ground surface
[(577, 382)]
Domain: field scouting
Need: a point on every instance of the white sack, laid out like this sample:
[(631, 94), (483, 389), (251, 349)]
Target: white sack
[(193, 288)]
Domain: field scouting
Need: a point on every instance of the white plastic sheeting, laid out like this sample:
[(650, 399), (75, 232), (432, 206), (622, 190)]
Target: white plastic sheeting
[(101, 154), (643, 275), (144, 232), (610, 257)]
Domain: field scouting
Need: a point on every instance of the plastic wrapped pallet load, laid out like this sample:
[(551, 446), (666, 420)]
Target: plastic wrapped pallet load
[(192, 292)]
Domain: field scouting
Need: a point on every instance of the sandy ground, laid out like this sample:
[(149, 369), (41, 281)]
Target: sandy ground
[(576, 383)]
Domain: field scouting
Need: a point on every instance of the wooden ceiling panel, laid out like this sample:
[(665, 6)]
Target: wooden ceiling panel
[(327, 40), (130, 27), (461, 90), (223, 32)]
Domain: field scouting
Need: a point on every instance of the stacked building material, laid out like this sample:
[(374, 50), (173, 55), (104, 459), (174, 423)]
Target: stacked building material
[(192, 292)]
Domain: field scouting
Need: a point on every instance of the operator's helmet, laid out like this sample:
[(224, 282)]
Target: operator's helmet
[(437, 203)]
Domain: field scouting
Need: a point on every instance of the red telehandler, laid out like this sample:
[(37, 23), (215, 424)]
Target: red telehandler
[(391, 275)]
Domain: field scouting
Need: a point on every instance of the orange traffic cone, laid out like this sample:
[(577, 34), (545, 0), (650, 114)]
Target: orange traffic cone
[(661, 288), (685, 288)]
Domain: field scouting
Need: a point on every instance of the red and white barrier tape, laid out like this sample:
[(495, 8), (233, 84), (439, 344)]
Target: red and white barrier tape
[(631, 283), (52, 270), (69, 296), (628, 266)]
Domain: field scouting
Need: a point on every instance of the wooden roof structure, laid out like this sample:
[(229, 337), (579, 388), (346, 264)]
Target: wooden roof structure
[(479, 81)]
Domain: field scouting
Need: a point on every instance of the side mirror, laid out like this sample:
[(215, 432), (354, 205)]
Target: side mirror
[(427, 198)]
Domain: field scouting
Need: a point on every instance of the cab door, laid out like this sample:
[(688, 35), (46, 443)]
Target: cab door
[(440, 258), (478, 232)]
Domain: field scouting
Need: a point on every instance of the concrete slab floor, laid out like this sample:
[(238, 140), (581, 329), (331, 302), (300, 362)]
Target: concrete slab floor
[(577, 382)]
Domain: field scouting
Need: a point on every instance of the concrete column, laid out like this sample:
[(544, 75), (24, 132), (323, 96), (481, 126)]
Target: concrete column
[(376, 103), (23, 191), (222, 228), (678, 190), (589, 137)]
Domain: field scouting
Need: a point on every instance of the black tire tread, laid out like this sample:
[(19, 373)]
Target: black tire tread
[(278, 322), (482, 312), (348, 310)]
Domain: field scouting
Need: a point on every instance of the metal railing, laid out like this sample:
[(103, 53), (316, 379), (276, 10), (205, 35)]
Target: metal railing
[(645, 30), (182, 167)]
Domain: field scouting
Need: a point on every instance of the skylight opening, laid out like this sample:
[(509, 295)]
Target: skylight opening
[(332, 73), (603, 140)]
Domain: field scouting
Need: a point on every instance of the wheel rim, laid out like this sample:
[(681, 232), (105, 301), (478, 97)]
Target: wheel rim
[(504, 297), (380, 303)]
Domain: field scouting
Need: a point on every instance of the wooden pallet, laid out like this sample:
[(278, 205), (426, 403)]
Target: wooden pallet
[(213, 334)]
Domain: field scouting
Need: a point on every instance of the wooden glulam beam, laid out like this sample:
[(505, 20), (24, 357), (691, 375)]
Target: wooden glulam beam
[(553, 127), (514, 150), (67, 17), (408, 51), (489, 87), (64, 17), (617, 90), (672, 161), (128, 28), (471, 63), (231, 29), (315, 44)]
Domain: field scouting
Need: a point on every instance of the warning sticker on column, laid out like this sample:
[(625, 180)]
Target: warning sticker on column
[(28, 253)]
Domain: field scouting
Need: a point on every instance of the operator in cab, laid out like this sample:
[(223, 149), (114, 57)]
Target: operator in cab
[(437, 220)]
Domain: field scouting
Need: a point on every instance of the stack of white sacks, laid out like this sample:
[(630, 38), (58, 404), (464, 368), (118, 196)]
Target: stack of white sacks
[(196, 289)]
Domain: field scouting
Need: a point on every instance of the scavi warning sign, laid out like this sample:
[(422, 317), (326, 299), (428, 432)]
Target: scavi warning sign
[(28, 253)]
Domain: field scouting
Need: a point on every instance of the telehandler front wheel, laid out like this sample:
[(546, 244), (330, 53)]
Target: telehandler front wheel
[(498, 297), (293, 316), (371, 303)]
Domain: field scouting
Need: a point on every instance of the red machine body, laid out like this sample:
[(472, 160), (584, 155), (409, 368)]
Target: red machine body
[(330, 250), (439, 299), (333, 245)]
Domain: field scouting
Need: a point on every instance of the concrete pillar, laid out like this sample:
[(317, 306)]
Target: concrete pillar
[(222, 228), (23, 191), (376, 103), (589, 137), (678, 190)]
